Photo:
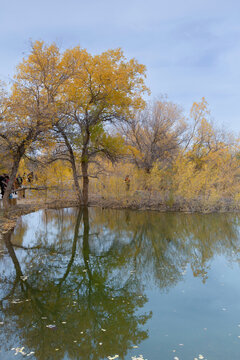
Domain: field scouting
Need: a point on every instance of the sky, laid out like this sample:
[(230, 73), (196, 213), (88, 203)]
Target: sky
[(191, 48)]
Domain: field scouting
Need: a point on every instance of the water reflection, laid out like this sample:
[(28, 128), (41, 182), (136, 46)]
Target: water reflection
[(64, 300), (73, 285)]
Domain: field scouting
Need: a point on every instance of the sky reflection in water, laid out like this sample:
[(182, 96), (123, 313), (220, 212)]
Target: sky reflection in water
[(92, 284)]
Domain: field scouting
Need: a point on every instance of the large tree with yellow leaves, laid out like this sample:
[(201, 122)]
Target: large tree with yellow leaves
[(69, 97), (106, 89)]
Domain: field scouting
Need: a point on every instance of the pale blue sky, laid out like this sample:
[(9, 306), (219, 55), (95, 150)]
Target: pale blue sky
[(191, 48)]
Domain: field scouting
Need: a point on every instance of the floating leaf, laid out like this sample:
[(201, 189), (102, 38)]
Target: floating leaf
[(51, 326)]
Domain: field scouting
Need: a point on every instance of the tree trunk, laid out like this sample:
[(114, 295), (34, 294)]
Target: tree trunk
[(75, 177), (12, 178), (84, 165), (73, 164)]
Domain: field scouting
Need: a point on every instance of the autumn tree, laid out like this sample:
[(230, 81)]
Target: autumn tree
[(155, 134), (207, 167), (21, 123), (69, 98), (204, 136), (106, 89), (27, 113)]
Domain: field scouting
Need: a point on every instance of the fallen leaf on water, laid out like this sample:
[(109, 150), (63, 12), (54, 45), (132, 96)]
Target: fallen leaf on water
[(50, 326), (140, 357), (19, 350), (31, 353), (16, 301)]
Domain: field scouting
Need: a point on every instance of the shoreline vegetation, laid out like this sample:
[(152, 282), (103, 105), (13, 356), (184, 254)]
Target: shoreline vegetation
[(138, 200)]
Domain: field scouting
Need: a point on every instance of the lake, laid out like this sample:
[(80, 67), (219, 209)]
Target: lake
[(118, 284)]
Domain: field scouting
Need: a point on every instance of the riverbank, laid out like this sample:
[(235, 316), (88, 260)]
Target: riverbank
[(9, 217), (140, 201)]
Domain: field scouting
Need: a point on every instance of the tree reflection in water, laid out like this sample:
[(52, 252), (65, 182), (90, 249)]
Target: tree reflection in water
[(89, 299), (85, 276)]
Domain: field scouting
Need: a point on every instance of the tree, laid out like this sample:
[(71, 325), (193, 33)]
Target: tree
[(26, 113), (155, 134), (69, 98), (206, 169), (21, 124), (107, 89)]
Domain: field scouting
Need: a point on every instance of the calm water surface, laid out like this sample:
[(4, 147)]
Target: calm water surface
[(93, 284)]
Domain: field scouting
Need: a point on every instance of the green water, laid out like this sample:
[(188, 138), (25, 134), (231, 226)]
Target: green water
[(104, 284)]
